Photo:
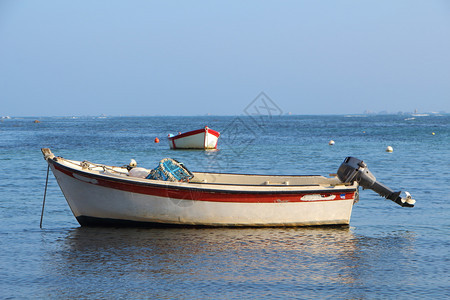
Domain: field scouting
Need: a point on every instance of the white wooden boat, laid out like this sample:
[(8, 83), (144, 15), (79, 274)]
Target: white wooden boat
[(101, 195), (204, 138)]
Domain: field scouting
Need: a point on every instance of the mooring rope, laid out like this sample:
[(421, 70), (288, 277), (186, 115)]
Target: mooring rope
[(45, 193), (89, 165)]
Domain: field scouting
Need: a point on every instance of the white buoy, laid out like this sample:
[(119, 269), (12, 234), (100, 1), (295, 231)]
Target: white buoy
[(139, 172), (389, 149), (331, 143)]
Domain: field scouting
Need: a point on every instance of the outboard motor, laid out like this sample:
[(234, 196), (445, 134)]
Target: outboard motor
[(353, 169)]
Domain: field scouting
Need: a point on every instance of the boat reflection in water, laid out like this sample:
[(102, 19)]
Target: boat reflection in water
[(214, 262)]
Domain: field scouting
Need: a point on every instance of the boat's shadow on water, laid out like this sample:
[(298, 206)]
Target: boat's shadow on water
[(187, 262)]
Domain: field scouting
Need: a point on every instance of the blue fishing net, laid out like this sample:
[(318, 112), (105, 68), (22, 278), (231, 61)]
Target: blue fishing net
[(170, 170)]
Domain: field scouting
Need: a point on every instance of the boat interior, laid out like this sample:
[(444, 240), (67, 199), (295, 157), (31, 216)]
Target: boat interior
[(274, 180), (211, 178), (139, 173)]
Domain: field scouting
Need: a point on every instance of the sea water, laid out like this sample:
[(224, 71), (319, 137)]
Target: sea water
[(386, 252)]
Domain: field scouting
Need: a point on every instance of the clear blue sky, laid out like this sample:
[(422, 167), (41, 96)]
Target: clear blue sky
[(63, 58)]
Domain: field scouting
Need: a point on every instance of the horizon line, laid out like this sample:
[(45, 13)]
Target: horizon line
[(231, 115)]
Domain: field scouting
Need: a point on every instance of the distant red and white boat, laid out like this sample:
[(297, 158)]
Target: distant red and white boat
[(107, 195), (204, 138)]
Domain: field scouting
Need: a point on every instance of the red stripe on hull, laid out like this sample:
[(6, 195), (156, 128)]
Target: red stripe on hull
[(213, 132), (194, 132)]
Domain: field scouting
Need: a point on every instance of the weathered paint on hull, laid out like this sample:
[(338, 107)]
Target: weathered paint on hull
[(90, 200)]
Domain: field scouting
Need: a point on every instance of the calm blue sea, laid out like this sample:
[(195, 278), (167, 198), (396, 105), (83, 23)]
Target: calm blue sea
[(387, 251)]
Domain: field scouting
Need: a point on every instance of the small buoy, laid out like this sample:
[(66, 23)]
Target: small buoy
[(364, 132), (331, 143), (433, 133), (156, 140), (389, 149), (37, 121), (132, 163)]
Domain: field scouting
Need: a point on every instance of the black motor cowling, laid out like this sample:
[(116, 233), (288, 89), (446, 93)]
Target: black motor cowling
[(353, 169)]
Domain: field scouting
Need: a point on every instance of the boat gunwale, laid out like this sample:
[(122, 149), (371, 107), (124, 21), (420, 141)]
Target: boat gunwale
[(195, 132), (176, 185)]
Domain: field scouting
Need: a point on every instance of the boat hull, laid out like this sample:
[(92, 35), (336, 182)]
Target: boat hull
[(205, 138), (103, 200)]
